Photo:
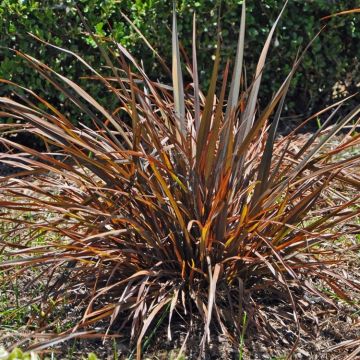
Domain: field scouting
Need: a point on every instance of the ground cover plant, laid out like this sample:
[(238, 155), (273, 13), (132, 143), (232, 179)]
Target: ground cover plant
[(17, 354), (179, 207)]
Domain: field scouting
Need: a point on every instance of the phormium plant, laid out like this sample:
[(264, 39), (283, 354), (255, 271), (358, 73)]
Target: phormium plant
[(176, 203)]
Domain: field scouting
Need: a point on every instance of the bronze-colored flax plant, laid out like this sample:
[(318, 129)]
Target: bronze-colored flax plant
[(189, 206)]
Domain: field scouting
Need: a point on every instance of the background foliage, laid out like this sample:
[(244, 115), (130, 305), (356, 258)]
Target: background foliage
[(57, 21)]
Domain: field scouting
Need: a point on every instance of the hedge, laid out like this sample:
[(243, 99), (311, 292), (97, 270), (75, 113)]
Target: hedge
[(333, 58)]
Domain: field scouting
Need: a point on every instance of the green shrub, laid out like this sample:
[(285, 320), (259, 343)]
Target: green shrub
[(57, 22), (192, 212)]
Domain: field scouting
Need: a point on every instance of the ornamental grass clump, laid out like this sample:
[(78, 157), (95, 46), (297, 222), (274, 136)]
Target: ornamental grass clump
[(177, 205)]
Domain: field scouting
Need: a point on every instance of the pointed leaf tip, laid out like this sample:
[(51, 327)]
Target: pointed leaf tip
[(179, 97)]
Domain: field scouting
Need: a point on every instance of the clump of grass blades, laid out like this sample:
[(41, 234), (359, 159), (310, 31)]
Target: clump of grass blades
[(192, 207)]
